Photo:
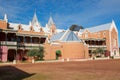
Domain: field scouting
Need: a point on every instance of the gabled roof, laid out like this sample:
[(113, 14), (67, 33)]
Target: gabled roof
[(98, 28), (67, 36)]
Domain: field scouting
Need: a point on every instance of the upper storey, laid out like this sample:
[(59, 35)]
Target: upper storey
[(100, 31), (34, 26)]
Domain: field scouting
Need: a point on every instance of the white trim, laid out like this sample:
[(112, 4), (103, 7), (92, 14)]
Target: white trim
[(118, 42), (110, 30), (110, 41), (113, 26)]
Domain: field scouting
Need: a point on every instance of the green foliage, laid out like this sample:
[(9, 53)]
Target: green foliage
[(37, 52), (40, 53), (94, 52), (100, 50), (58, 53), (32, 52)]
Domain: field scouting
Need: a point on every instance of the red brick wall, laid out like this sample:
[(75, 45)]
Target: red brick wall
[(70, 50), (3, 24)]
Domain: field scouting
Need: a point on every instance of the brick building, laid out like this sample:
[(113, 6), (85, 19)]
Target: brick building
[(16, 39), (105, 36)]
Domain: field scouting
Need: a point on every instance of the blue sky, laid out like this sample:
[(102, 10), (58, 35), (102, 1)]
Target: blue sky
[(87, 13)]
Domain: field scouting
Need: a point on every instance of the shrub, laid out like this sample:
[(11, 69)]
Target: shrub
[(58, 54), (37, 53)]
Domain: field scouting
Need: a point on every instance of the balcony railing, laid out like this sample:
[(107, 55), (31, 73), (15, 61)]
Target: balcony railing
[(19, 44), (8, 43), (36, 44), (31, 44), (2, 42), (28, 44), (11, 43), (97, 46)]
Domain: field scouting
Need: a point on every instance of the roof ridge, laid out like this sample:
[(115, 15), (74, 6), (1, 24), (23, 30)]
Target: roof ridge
[(64, 34), (99, 25)]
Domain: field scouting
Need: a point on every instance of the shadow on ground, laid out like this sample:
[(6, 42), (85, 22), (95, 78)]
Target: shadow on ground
[(12, 73)]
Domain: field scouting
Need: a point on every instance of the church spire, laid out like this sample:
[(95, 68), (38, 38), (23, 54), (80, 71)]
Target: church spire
[(5, 18), (50, 22), (35, 21)]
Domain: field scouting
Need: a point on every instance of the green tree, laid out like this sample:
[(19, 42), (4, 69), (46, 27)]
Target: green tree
[(40, 53), (58, 54), (32, 52), (37, 53), (100, 50)]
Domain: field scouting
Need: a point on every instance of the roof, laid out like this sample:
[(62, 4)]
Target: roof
[(57, 36), (98, 28), (26, 27), (67, 36)]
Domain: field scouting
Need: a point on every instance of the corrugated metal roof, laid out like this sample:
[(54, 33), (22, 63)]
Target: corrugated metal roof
[(100, 27), (97, 28)]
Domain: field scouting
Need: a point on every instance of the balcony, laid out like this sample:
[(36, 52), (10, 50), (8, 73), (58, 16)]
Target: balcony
[(2, 42), (37, 44), (97, 46), (28, 44), (31, 44), (12, 43)]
